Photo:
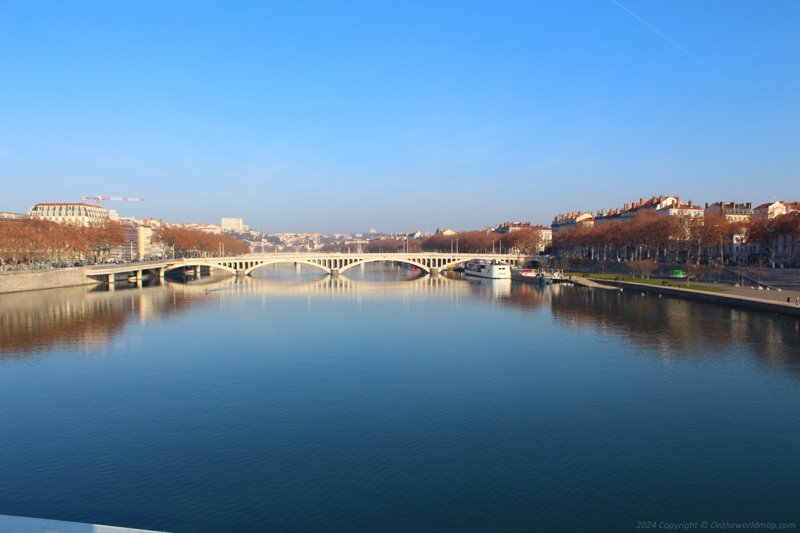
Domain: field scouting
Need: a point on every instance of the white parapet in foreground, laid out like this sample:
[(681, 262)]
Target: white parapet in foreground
[(20, 524)]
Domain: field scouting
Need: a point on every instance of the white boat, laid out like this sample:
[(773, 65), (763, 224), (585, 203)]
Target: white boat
[(487, 269)]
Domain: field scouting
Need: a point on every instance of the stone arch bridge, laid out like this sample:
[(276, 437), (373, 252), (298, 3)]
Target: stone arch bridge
[(331, 263)]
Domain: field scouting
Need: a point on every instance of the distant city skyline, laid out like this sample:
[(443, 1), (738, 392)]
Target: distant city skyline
[(344, 117)]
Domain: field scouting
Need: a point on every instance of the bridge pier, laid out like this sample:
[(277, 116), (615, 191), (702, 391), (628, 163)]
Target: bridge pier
[(334, 272), (434, 271)]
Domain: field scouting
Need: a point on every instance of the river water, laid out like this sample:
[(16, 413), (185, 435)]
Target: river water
[(389, 403)]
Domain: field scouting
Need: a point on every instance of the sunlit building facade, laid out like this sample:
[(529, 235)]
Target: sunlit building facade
[(69, 213)]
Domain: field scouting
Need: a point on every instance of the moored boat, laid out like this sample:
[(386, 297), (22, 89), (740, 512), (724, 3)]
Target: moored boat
[(487, 269), (523, 274), (532, 275)]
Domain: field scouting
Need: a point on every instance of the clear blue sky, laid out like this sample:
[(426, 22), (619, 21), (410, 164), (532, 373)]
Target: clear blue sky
[(397, 115)]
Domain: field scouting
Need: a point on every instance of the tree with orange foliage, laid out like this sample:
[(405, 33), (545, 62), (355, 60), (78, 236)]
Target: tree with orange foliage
[(196, 243), (439, 243), (475, 241), (716, 233), (771, 234), (525, 241), (101, 238), (38, 241), (787, 229), (393, 245)]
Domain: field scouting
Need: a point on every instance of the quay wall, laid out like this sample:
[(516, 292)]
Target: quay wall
[(744, 302), (32, 280)]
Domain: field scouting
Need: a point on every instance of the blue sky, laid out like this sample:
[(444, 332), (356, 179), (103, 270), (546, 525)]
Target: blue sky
[(342, 116)]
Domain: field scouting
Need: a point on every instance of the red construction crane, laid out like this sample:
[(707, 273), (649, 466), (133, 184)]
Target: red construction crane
[(100, 198)]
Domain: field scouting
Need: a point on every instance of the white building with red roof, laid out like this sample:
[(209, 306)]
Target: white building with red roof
[(730, 211), (571, 220), (662, 205), (775, 209)]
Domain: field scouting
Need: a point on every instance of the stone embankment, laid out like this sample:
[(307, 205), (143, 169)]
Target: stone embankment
[(586, 282), (32, 280), (725, 298), (784, 278)]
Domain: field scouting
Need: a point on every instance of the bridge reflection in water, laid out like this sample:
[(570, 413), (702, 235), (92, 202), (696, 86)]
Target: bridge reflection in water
[(88, 320), (346, 287)]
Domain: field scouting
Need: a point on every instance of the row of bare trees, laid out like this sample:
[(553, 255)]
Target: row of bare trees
[(647, 236), (778, 239), (195, 243), (45, 243), (31, 241), (658, 238)]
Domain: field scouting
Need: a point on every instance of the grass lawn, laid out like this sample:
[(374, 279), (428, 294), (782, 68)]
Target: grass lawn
[(658, 282)]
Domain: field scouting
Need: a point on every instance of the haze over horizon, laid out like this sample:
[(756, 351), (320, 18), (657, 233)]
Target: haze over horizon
[(315, 116)]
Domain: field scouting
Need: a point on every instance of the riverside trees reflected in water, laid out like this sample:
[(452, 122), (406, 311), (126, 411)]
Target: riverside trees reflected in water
[(81, 318), (670, 327), (89, 318)]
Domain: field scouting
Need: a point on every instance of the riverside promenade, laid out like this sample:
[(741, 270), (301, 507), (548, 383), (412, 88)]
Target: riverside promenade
[(775, 301)]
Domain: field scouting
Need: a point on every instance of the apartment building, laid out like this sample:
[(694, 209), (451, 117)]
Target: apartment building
[(69, 213)]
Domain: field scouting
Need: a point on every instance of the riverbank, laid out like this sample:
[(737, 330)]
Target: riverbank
[(772, 301), (588, 283), (34, 280)]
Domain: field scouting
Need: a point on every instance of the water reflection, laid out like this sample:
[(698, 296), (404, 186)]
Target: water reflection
[(85, 319), (88, 318), (495, 289), (80, 317), (377, 271), (669, 327)]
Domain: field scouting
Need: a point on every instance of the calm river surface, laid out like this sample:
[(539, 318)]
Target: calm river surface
[(382, 403)]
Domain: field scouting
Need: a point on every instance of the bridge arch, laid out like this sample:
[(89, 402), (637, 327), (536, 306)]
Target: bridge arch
[(458, 261), (424, 268), (197, 264), (466, 259), (287, 261)]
